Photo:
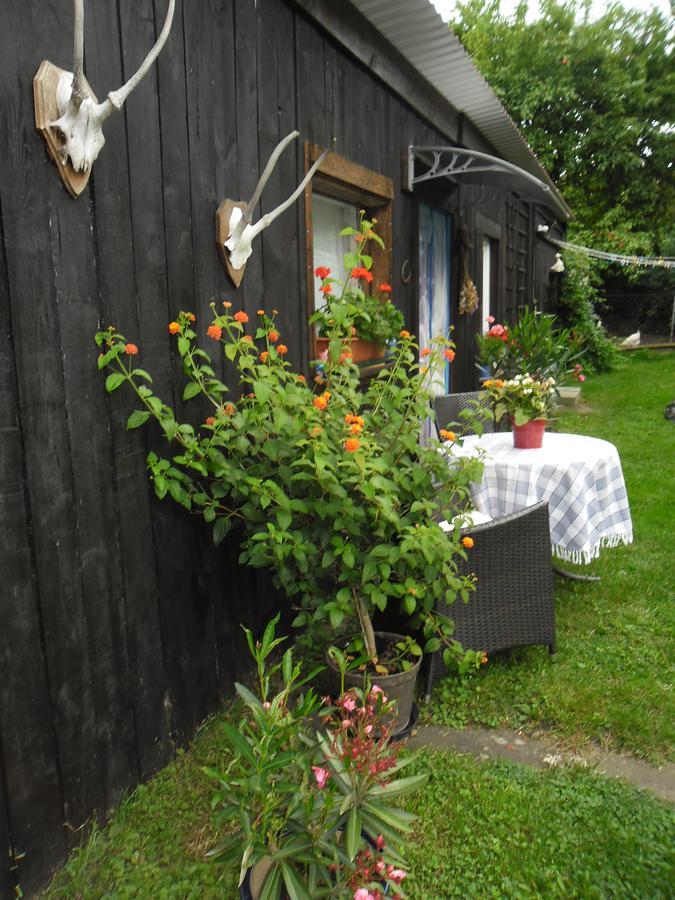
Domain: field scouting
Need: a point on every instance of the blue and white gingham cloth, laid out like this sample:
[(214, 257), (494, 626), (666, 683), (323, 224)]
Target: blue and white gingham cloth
[(580, 477)]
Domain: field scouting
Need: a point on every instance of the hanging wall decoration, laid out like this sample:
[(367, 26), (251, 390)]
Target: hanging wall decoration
[(68, 114), (468, 295), (235, 232)]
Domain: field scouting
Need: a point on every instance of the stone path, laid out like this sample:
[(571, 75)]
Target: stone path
[(502, 743)]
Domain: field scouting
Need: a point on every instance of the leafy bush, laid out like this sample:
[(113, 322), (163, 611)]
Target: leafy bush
[(332, 489), (578, 302)]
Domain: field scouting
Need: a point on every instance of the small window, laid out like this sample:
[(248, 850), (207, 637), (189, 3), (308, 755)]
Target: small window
[(333, 199)]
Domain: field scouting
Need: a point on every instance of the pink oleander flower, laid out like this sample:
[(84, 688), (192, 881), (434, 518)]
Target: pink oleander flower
[(397, 875), (349, 703), (581, 377), (363, 894), (321, 775), (490, 319)]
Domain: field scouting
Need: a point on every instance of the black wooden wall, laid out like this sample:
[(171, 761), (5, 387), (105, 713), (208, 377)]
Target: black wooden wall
[(119, 621)]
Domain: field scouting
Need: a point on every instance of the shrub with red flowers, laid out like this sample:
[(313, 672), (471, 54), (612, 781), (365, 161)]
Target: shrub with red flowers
[(332, 489), (355, 296), (312, 803)]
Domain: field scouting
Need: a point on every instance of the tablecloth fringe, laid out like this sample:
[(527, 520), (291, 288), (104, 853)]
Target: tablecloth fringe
[(583, 557)]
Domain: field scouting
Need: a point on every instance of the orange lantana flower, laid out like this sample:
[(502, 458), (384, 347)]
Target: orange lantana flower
[(215, 332), (282, 349), (447, 435), (227, 304), (467, 542), (449, 354), (130, 349), (230, 409), (248, 338), (404, 334), (174, 327), (426, 352), (241, 317), (352, 445), (273, 336), (264, 356), (210, 421), (320, 402)]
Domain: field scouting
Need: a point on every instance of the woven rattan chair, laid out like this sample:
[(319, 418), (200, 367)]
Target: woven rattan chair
[(512, 605), (449, 406)]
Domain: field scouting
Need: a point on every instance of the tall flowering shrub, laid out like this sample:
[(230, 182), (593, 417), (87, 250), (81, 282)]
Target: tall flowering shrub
[(332, 489)]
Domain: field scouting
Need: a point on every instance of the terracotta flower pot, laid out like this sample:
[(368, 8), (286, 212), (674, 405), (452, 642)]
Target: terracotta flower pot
[(529, 436), (362, 351), (399, 687)]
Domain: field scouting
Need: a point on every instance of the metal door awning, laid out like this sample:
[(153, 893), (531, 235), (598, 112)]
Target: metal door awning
[(479, 168)]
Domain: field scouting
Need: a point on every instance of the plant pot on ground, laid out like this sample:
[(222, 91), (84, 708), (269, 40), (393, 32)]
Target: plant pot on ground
[(399, 660)]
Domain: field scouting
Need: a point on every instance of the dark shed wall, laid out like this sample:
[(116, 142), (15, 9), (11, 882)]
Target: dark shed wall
[(120, 622)]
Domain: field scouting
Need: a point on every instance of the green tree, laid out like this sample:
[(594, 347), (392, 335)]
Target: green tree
[(595, 100)]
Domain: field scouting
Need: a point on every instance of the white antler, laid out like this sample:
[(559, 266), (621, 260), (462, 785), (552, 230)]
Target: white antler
[(81, 118), (242, 232)]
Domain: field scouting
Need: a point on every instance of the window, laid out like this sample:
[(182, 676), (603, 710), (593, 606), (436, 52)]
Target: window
[(332, 201)]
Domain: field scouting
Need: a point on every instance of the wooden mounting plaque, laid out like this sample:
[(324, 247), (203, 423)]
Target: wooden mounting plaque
[(45, 84), (223, 214)]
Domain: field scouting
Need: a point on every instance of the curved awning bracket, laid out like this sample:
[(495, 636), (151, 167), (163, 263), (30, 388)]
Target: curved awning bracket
[(472, 166)]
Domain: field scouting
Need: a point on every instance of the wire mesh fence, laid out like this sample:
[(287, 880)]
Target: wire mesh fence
[(650, 314)]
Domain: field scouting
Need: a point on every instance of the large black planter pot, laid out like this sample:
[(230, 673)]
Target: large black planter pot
[(399, 687)]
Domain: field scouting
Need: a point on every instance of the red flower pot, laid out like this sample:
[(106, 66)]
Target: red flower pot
[(529, 436)]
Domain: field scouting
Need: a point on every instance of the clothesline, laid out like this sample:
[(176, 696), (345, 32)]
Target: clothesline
[(664, 262)]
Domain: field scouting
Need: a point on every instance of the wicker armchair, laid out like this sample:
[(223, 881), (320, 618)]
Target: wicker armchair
[(512, 605), (449, 406)]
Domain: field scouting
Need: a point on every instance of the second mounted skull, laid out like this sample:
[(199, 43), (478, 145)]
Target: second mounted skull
[(68, 113), (235, 232)]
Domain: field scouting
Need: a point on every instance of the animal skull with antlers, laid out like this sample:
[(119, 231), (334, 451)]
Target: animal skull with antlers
[(79, 125), (235, 231)]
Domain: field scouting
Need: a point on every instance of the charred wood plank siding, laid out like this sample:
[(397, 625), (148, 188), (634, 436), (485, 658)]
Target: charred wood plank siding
[(120, 620)]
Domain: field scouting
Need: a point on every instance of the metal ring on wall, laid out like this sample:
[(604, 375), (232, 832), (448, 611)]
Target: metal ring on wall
[(406, 272)]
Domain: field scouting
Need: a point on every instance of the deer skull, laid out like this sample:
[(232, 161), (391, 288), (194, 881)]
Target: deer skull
[(242, 232), (81, 118)]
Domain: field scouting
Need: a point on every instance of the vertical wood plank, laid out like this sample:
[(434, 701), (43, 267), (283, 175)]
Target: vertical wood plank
[(25, 704), (141, 675), (7, 882), (31, 195), (187, 649)]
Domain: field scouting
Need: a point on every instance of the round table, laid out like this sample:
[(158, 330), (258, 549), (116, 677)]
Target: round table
[(580, 477)]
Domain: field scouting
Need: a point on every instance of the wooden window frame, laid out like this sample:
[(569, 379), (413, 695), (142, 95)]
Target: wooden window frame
[(350, 182)]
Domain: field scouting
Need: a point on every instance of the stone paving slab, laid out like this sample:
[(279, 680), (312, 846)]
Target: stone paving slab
[(502, 743)]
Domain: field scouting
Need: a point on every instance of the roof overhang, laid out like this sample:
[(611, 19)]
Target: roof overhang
[(415, 29), (472, 167)]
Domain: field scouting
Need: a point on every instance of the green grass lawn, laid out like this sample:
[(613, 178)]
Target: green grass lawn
[(485, 830), (611, 680)]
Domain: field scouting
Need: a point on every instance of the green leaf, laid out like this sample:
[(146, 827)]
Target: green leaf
[(220, 529), (353, 833), (238, 741), (138, 417), (113, 381), (271, 889), (183, 345), (231, 351), (191, 390), (262, 391), (296, 889), (143, 374)]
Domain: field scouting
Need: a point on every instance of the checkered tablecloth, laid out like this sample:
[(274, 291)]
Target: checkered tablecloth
[(580, 477)]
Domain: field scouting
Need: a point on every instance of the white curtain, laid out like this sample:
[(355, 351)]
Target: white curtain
[(434, 272)]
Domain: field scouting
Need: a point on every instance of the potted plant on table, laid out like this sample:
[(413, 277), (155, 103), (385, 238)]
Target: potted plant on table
[(375, 321), (306, 793), (330, 486), (528, 403)]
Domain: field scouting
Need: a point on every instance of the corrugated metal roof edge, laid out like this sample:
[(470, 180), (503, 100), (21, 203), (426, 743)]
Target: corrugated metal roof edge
[(506, 131)]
